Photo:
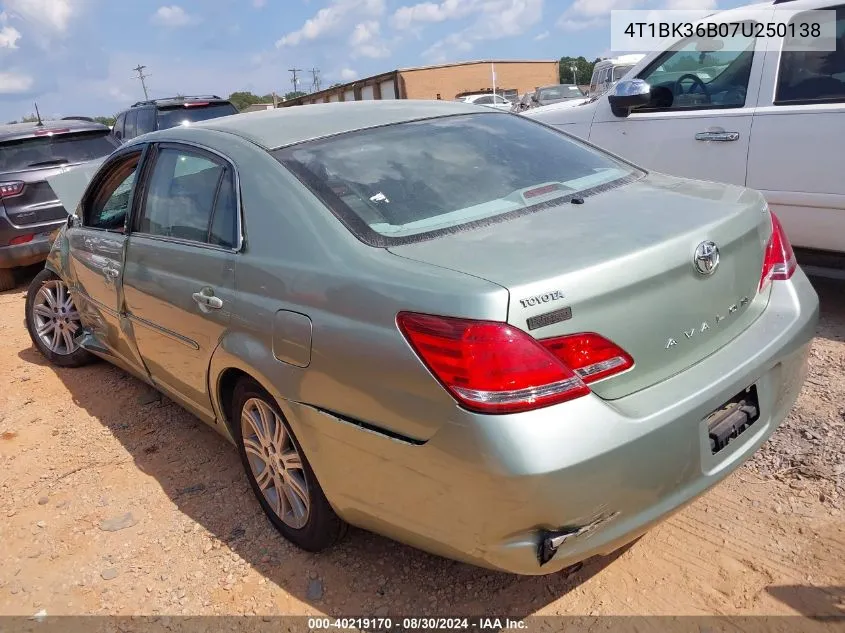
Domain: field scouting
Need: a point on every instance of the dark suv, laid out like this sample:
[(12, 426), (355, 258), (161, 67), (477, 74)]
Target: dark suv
[(160, 114), (29, 209)]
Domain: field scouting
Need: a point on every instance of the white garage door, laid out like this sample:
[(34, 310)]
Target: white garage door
[(334, 97), (367, 92), (349, 95), (388, 89)]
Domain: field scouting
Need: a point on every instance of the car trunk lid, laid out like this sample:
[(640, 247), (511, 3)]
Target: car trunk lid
[(622, 265)]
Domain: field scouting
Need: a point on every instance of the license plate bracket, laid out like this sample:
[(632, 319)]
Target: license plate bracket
[(732, 419)]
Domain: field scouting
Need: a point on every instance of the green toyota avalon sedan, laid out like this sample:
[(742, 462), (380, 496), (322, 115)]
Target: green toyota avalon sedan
[(453, 326)]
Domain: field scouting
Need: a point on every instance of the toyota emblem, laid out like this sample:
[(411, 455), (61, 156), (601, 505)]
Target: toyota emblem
[(706, 258)]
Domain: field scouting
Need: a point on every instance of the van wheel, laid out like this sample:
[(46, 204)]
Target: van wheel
[(279, 472), (7, 279), (53, 321)]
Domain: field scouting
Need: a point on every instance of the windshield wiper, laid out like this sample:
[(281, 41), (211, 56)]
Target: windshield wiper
[(53, 161)]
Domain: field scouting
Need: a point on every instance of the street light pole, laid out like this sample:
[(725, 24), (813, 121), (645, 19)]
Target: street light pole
[(574, 69)]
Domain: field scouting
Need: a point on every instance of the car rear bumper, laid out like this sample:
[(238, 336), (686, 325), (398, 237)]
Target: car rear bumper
[(25, 254), (489, 489)]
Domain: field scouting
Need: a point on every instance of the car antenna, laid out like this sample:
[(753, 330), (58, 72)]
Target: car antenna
[(38, 114)]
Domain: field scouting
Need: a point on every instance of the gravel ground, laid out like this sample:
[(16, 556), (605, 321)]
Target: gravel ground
[(113, 500)]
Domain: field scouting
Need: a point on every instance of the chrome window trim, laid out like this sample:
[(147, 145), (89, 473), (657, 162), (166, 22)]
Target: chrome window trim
[(239, 230)]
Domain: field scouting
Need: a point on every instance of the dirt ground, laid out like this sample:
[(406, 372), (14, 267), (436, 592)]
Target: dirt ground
[(115, 501)]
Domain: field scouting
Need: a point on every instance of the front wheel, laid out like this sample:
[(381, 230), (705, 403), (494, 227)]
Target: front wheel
[(53, 321), (279, 473)]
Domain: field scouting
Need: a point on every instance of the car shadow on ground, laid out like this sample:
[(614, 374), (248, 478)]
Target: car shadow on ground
[(814, 602)]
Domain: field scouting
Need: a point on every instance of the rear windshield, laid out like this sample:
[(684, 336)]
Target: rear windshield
[(559, 92), (401, 183), (58, 149), (181, 115)]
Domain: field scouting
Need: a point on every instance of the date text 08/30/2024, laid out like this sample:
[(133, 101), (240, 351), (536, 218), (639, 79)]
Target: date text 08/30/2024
[(414, 623)]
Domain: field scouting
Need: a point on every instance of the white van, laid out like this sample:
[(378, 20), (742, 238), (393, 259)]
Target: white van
[(757, 115), (608, 71)]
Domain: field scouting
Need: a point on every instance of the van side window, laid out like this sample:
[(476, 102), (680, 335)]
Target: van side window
[(689, 79), (813, 76)]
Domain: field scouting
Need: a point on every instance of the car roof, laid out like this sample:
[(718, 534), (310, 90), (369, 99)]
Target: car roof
[(176, 101), (279, 127), (15, 131)]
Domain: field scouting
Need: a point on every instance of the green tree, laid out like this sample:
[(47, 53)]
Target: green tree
[(583, 69), (29, 119), (293, 95), (244, 99), (105, 120)]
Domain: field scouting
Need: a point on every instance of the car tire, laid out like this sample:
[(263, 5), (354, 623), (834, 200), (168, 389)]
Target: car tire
[(279, 473), (47, 287), (7, 279)]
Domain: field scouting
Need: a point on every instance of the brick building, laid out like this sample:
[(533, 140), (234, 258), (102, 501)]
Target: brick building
[(445, 81)]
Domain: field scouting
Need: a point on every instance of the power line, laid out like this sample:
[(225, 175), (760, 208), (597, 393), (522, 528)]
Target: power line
[(315, 84), (140, 70), (294, 78)]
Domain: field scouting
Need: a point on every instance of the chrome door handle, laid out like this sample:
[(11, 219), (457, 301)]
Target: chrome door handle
[(717, 136), (206, 299), (111, 273)]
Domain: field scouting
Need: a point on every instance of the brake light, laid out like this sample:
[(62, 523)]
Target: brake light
[(21, 239), (194, 104), (779, 260), (493, 367), (10, 189), (42, 132), (589, 355)]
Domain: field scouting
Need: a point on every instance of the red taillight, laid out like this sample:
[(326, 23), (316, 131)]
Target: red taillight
[(493, 367), (590, 355), (10, 189), (21, 239), (779, 260), (48, 132), (194, 104)]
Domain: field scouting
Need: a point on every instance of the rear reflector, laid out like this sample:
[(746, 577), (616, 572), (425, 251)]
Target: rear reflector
[(10, 189), (21, 239), (779, 261), (493, 367)]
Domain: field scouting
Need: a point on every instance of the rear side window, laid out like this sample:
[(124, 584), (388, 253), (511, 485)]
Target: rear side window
[(192, 113), (146, 121), (394, 184), (57, 149), (118, 125), (190, 196), (131, 125), (813, 76)]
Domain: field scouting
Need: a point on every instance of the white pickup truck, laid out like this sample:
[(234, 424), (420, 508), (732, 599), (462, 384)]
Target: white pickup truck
[(753, 113)]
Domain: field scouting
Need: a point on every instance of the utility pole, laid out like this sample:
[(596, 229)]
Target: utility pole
[(294, 78), (140, 70), (315, 84), (275, 100), (574, 69)]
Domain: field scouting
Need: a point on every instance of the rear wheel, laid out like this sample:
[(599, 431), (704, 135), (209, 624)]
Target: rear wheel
[(7, 279), (53, 321), (279, 473)]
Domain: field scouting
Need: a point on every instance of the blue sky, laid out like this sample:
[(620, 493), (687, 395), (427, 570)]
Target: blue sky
[(76, 56)]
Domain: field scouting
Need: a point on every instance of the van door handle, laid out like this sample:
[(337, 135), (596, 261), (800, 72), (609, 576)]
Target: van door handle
[(206, 300), (717, 136), (111, 273)]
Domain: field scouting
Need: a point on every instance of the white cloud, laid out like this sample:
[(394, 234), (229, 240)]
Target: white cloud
[(332, 19), (259, 4), (494, 19), (14, 83), (9, 35), (428, 12), (683, 5), (347, 74), (366, 41), (541, 36), (591, 14), (173, 16), (53, 15)]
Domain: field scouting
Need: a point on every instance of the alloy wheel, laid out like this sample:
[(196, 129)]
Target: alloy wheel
[(56, 318), (275, 463)]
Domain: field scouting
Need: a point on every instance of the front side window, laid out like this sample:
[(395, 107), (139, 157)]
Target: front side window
[(146, 121), (813, 76), (487, 100), (118, 125), (689, 78), (185, 192), (620, 71), (393, 184), (107, 206)]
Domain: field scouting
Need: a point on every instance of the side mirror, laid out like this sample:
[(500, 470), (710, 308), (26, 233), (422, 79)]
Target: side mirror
[(628, 95)]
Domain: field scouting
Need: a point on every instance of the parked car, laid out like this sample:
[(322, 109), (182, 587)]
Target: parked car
[(606, 72), (523, 104), (462, 329), (161, 114), (548, 95), (771, 119), (487, 99), (29, 209)]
